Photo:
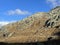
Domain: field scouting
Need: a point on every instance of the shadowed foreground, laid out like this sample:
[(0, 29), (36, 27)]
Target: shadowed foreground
[(50, 42)]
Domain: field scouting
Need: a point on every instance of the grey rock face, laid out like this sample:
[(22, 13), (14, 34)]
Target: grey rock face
[(54, 19)]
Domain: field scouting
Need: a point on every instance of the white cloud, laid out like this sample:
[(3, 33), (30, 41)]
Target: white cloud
[(17, 12), (53, 3), (2, 23)]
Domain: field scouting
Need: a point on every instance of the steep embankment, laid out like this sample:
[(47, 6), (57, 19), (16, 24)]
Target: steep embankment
[(39, 27)]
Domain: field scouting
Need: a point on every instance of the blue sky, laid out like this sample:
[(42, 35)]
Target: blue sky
[(14, 10)]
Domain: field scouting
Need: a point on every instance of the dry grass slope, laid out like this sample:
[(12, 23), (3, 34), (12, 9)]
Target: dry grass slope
[(36, 28)]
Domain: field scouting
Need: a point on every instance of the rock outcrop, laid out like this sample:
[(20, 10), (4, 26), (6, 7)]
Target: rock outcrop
[(39, 27)]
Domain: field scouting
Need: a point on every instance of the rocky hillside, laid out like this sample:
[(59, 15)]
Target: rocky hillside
[(39, 27)]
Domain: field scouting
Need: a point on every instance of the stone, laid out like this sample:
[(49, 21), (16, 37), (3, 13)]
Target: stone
[(40, 27)]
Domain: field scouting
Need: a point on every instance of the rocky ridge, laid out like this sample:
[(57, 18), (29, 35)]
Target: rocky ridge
[(39, 27)]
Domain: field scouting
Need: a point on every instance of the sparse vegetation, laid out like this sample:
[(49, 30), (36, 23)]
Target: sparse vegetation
[(39, 27)]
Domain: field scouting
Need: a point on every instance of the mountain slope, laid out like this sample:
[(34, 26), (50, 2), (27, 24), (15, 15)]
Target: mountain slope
[(39, 27)]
